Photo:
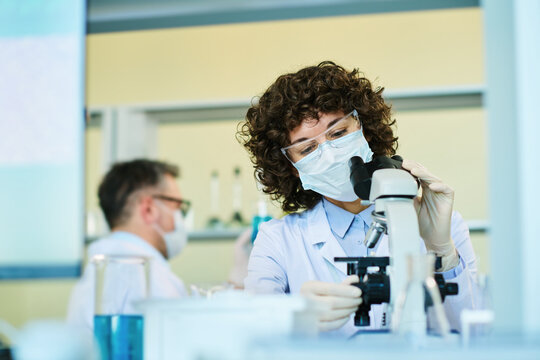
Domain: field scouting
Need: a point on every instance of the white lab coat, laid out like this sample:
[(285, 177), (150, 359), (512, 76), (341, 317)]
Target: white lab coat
[(163, 282), (301, 247)]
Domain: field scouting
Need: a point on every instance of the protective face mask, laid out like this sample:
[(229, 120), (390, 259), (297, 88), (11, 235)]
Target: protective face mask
[(329, 174), (176, 240)]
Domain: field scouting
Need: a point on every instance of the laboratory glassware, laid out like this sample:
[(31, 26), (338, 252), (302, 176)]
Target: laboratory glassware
[(118, 326), (214, 222), (237, 220)]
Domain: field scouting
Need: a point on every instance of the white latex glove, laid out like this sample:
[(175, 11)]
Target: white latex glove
[(242, 249), (338, 301), (434, 210)]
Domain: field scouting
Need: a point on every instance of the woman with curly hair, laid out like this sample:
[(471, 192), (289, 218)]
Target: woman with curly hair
[(300, 135)]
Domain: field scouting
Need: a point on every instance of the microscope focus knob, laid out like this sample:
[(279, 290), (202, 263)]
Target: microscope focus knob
[(361, 318)]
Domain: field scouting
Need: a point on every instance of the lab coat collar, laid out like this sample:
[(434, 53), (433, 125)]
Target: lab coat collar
[(320, 233), (125, 243)]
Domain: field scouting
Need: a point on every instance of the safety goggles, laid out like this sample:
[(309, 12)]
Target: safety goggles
[(181, 204), (344, 126)]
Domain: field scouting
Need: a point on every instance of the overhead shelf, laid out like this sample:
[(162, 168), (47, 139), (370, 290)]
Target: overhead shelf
[(478, 226), (415, 99), (475, 226), (436, 98), (204, 234)]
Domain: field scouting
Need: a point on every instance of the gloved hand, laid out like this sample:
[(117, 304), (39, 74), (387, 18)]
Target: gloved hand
[(434, 210), (338, 301)]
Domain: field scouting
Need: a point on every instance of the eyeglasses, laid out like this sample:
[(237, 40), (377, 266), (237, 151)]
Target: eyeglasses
[(344, 126), (182, 205)]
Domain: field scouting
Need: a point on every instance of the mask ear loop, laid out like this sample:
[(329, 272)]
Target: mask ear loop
[(155, 225), (357, 118), (361, 125), (159, 204)]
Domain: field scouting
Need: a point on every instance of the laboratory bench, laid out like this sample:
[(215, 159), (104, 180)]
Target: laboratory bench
[(388, 346)]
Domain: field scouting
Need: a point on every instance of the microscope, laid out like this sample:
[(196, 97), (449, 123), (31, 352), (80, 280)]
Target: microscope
[(405, 279)]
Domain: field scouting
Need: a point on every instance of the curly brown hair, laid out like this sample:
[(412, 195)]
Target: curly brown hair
[(294, 97)]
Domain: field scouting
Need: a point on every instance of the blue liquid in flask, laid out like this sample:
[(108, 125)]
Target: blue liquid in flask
[(120, 337)]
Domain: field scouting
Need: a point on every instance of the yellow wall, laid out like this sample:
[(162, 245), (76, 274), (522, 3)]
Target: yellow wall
[(94, 155), (21, 301), (451, 144), (402, 50)]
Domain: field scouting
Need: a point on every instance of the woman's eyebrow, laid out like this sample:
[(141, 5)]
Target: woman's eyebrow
[(300, 140), (329, 125), (333, 122)]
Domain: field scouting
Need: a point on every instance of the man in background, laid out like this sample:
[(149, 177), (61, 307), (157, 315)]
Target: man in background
[(144, 209)]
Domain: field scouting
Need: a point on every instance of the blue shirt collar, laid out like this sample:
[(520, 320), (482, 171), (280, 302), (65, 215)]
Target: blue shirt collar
[(340, 220), (366, 214)]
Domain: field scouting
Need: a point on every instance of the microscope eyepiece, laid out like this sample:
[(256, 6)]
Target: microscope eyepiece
[(360, 177), (355, 161), (362, 172)]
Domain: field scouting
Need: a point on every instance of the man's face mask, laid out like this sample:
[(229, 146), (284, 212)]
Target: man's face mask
[(324, 168), (175, 240)]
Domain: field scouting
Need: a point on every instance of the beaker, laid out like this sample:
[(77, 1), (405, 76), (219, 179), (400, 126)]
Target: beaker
[(118, 326)]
